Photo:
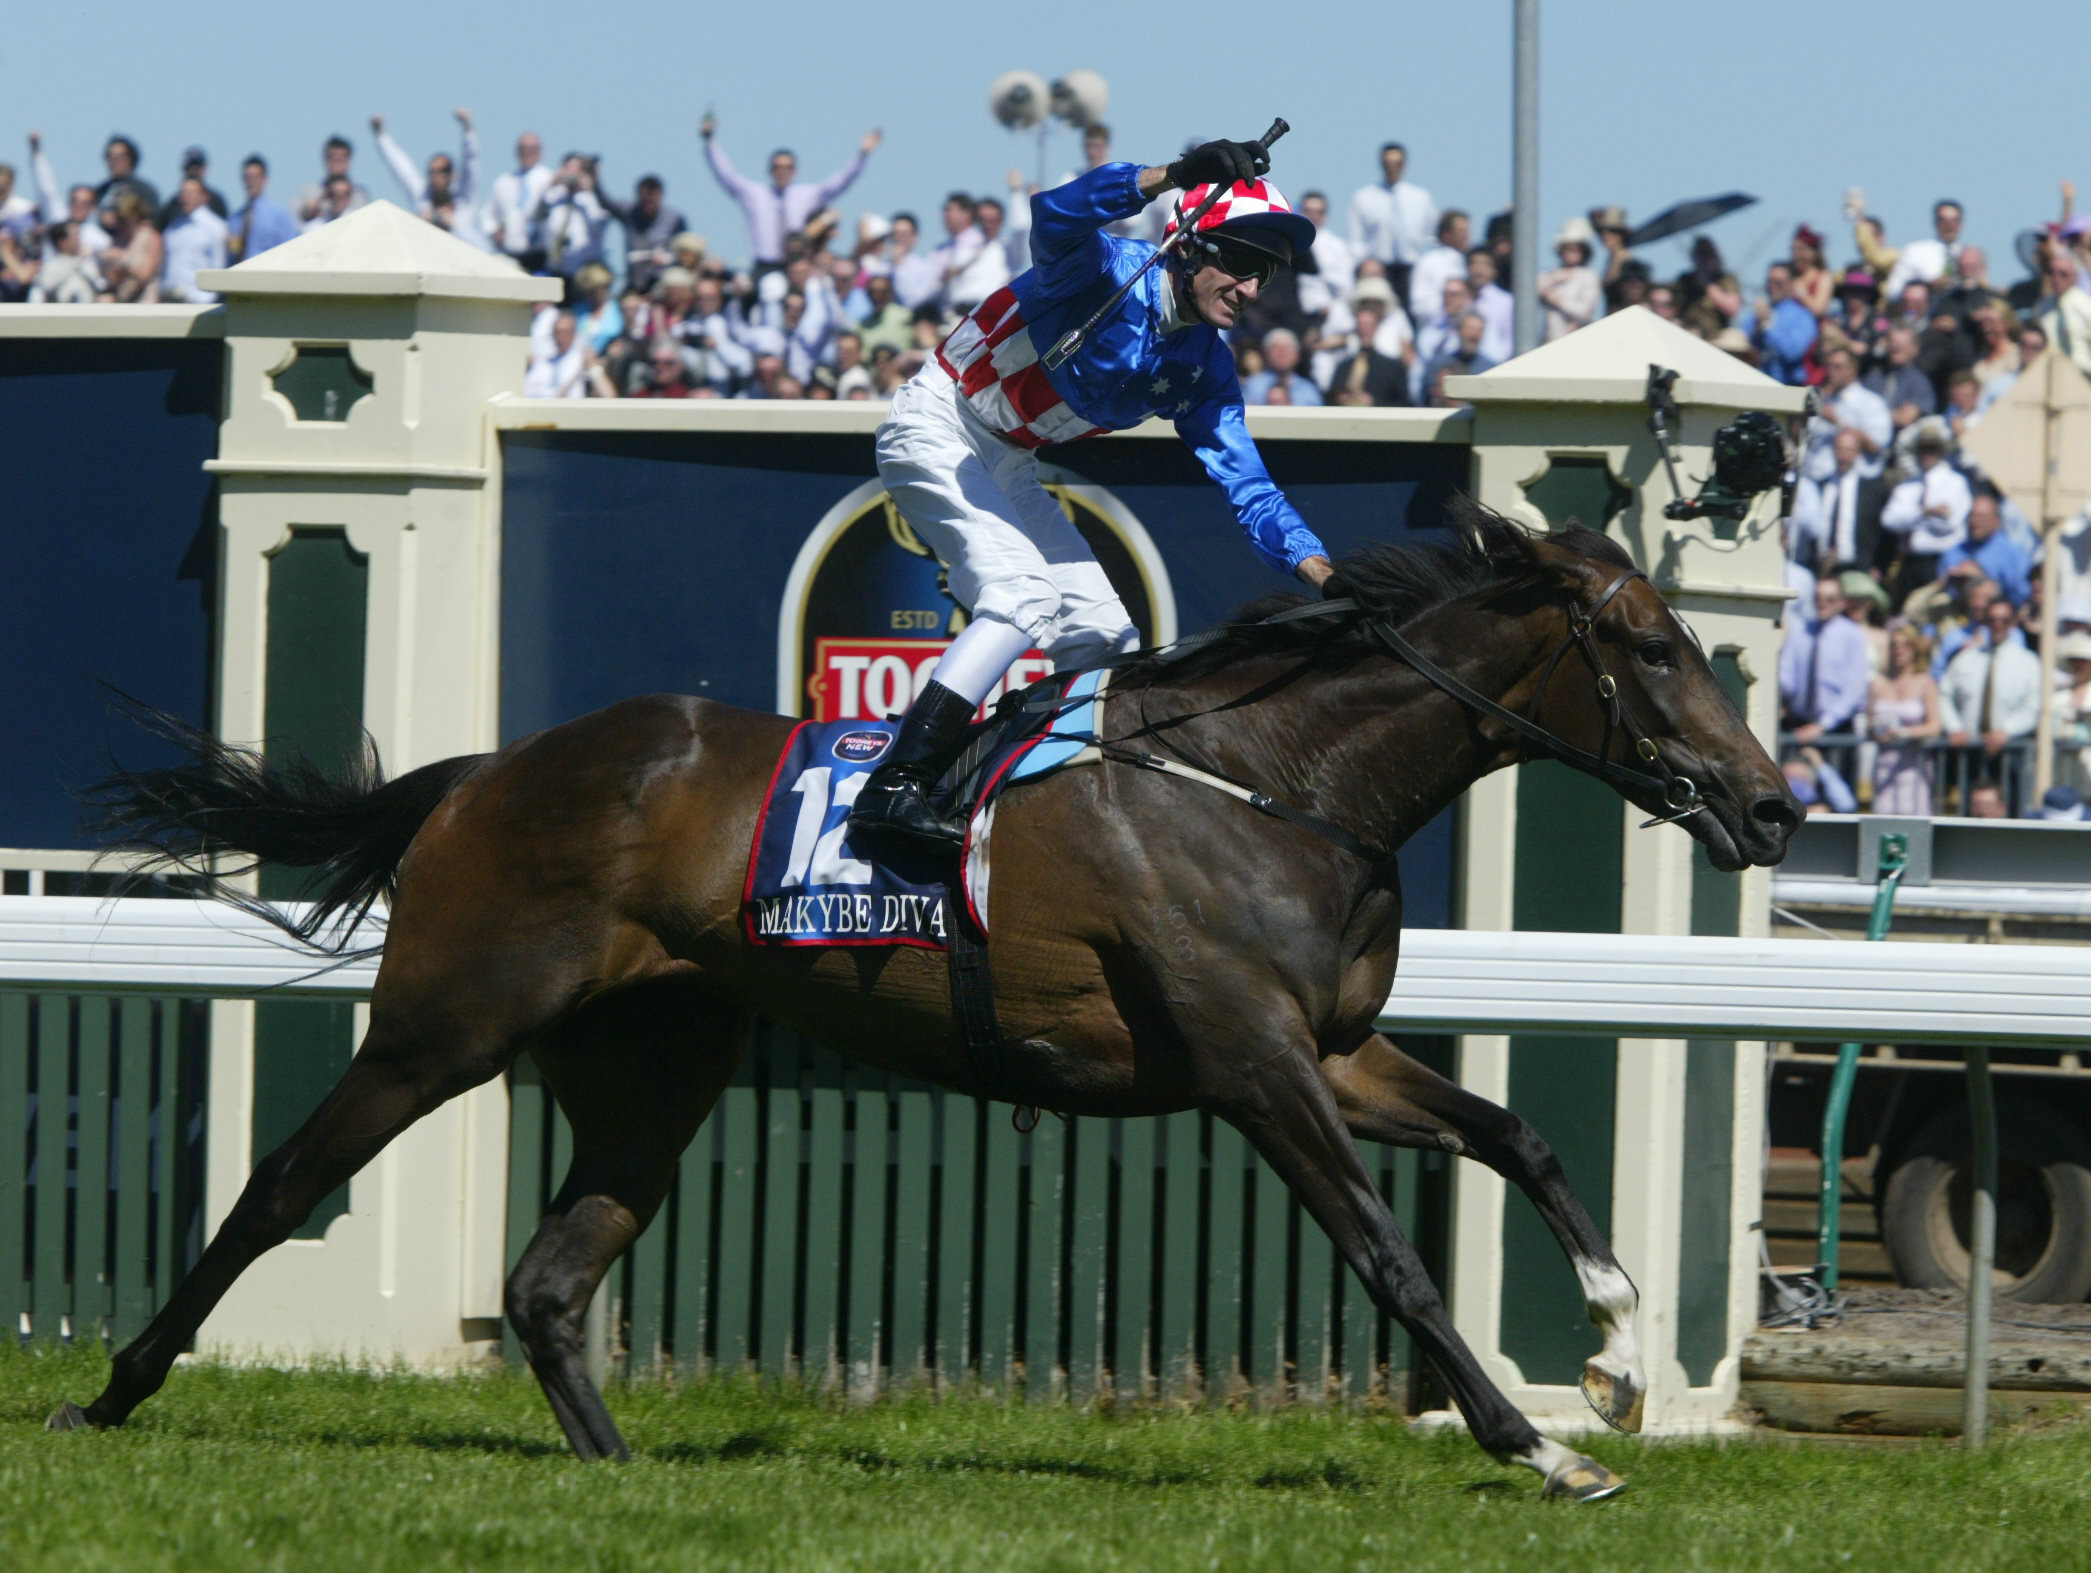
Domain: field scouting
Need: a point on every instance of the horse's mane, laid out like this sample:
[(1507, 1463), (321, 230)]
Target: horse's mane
[(1475, 551)]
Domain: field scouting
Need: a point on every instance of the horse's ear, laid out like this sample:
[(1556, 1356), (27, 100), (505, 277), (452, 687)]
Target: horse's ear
[(1506, 546)]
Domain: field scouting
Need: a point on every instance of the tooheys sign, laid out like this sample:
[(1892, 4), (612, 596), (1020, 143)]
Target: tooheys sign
[(866, 612)]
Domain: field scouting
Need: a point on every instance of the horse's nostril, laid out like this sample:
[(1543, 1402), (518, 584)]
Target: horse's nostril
[(1776, 809)]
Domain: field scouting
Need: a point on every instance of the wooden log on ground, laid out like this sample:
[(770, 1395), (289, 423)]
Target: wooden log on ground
[(1938, 1359), (1874, 1409)]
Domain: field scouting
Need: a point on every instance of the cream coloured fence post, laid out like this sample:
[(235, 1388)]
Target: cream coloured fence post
[(1563, 432), (361, 359)]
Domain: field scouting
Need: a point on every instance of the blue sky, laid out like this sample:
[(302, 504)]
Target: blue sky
[(1642, 103)]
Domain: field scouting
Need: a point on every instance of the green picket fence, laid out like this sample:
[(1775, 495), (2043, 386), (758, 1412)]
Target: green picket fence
[(101, 1151), (863, 1231)]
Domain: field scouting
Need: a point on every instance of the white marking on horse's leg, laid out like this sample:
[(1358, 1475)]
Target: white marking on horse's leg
[(1613, 1379), (1545, 1456), (1570, 1474)]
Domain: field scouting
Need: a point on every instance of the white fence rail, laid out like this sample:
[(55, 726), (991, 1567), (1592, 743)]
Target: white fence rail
[(1450, 981)]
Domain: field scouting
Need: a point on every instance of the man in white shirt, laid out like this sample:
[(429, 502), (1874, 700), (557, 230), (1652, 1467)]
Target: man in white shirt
[(194, 241), (963, 242), (1335, 266), (1394, 221), (990, 268), (1991, 691), (560, 369), (1927, 261), (511, 221), (1847, 405), (1446, 260), (917, 277), (1929, 512)]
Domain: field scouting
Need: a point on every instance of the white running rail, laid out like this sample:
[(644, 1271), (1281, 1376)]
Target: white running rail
[(1451, 980)]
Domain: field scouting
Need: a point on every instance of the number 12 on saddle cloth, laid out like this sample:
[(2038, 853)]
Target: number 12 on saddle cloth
[(805, 886)]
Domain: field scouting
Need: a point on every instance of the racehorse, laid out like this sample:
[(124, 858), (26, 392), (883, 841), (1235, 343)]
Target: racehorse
[(576, 897)]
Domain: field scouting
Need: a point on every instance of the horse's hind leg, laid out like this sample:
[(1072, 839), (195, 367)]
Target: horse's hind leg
[(1289, 1114), (396, 1077), (635, 1074), (1386, 1096)]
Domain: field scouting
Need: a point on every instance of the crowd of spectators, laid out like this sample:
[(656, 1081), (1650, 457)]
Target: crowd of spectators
[(1916, 612)]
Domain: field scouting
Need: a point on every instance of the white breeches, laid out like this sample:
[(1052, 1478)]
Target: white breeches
[(975, 500)]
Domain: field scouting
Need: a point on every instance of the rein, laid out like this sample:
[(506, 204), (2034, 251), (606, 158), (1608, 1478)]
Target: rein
[(1676, 790)]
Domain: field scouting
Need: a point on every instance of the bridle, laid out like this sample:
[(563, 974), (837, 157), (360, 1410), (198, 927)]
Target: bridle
[(1678, 791)]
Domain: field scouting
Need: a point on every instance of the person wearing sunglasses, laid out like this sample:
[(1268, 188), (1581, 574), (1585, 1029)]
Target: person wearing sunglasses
[(959, 451)]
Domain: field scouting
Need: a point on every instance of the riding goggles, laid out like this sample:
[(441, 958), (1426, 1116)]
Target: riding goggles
[(1240, 259)]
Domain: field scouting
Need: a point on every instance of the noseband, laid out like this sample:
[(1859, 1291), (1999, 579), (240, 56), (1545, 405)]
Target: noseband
[(1678, 791)]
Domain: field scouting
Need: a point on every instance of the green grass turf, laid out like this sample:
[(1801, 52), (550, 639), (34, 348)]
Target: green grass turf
[(345, 1469)]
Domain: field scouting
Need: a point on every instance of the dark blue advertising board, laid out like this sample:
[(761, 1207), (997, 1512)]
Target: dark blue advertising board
[(770, 570)]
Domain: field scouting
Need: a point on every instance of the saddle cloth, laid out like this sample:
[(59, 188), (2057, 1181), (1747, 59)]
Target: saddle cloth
[(805, 885)]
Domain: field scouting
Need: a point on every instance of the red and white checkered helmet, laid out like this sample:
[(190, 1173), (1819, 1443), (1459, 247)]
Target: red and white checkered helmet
[(1254, 211)]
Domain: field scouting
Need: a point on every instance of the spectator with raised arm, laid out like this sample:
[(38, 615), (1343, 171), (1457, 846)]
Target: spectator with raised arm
[(1930, 260), (1394, 221), (446, 195), (786, 203), (261, 223), (77, 207)]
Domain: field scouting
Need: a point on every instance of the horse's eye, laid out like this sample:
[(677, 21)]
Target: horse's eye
[(1656, 652)]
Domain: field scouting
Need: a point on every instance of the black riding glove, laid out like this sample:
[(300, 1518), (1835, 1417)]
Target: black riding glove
[(1221, 163)]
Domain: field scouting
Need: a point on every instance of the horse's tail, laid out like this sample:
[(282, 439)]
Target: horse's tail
[(349, 827)]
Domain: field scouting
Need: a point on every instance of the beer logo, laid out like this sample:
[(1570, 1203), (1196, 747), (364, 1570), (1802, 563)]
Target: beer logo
[(867, 611), (861, 747)]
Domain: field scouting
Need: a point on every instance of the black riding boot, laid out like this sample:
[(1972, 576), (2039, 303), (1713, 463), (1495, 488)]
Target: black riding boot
[(894, 808)]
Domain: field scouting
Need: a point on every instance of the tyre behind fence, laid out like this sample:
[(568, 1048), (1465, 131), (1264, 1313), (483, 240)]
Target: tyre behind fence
[(101, 1160), (865, 1232)]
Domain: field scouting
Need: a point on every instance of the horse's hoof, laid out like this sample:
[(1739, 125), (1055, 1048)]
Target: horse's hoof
[(1581, 1479), (1617, 1398), (69, 1417)]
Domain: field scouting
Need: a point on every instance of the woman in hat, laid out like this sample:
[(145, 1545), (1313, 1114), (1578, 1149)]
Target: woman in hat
[(1814, 286), (1572, 292), (1902, 714)]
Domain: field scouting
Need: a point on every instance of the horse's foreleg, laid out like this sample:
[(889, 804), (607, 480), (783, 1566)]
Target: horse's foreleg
[(393, 1080), (634, 1086), (1290, 1115), (1386, 1096)]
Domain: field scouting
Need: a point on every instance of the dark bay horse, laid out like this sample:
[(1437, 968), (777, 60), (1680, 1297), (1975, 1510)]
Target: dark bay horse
[(576, 897)]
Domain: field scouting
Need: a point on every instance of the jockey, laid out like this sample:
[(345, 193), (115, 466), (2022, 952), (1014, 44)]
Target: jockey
[(958, 452)]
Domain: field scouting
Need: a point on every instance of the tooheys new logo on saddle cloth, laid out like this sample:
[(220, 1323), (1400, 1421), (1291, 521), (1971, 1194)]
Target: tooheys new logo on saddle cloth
[(866, 612)]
